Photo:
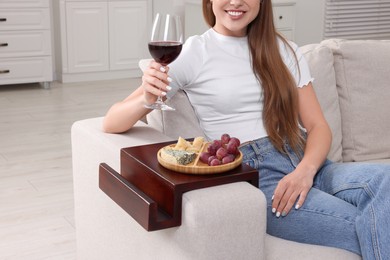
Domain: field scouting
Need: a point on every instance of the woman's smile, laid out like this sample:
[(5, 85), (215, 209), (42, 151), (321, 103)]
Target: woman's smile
[(235, 14)]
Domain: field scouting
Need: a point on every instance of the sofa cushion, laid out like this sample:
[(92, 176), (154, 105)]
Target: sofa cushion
[(362, 73), (320, 60), (181, 122), (277, 248)]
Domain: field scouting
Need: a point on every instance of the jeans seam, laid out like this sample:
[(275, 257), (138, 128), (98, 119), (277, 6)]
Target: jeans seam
[(351, 186), (374, 236), (322, 213)]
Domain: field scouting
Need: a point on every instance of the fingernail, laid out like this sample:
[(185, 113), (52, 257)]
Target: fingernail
[(277, 214), (169, 79), (284, 214), (273, 210), (163, 93), (297, 206), (162, 69), (272, 197), (169, 87)]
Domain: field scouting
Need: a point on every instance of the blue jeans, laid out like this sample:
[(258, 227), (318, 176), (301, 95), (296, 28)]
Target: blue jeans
[(348, 206)]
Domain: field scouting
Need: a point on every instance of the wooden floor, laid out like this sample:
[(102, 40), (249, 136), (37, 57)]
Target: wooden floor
[(36, 189)]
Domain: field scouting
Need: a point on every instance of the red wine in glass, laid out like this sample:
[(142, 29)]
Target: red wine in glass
[(165, 52), (165, 46)]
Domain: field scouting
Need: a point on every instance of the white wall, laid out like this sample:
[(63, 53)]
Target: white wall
[(169, 6), (309, 23)]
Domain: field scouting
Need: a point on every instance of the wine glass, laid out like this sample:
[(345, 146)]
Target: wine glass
[(165, 46)]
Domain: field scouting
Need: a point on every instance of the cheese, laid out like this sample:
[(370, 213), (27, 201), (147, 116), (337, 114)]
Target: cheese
[(177, 156), (182, 144), (196, 145)]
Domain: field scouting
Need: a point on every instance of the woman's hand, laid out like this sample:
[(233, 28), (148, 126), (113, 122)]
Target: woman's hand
[(155, 82), (294, 186)]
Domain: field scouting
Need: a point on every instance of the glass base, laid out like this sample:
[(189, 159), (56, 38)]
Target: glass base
[(160, 105)]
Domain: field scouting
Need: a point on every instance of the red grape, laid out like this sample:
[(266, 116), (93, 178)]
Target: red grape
[(225, 138), (217, 144), (211, 149), (221, 152), (204, 157), (232, 148), (228, 158), (212, 157), (215, 162), (235, 141)]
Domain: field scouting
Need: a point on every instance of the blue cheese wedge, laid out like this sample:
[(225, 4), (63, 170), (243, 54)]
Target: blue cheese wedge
[(177, 156)]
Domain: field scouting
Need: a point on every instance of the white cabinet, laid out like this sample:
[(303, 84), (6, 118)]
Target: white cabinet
[(25, 42), (103, 39), (283, 10), (129, 34), (24, 3), (284, 18), (87, 41)]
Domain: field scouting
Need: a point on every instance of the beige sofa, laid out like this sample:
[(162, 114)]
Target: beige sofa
[(228, 221)]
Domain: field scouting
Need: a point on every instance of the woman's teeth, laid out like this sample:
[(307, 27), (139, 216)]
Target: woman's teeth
[(235, 13)]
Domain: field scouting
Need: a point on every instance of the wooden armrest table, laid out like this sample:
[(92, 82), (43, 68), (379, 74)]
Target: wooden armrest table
[(152, 194)]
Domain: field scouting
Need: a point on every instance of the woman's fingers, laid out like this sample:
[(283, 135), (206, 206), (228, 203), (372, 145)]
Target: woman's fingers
[(161, 70), (290, 203), (156, 82), (287, 196), (154, 85), (282, 204), (302, 198)]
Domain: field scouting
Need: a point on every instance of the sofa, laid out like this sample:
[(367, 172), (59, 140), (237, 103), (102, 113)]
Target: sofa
[(229, 221)]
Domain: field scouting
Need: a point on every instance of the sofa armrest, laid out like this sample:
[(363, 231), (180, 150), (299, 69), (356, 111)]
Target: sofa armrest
[(222, 222)]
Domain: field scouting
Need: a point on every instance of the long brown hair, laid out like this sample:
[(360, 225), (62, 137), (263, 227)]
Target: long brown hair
[(280, 108)]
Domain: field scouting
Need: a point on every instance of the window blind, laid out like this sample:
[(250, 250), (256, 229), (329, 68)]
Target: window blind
[(357, 19)]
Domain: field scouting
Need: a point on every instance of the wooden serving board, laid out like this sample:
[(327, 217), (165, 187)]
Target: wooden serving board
[(197, 166)]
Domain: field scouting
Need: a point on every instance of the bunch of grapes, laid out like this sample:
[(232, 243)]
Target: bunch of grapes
[(221, 151)]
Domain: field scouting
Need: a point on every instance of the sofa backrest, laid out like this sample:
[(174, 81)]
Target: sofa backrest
[(320, 60), (363, 83)]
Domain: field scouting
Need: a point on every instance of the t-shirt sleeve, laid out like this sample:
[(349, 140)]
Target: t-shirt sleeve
[(301, 73), (186, 67)]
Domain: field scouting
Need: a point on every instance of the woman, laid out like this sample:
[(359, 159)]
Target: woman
[(243, 78)]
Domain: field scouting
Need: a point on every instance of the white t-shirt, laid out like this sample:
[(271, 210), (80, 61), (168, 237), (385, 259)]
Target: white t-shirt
[(216, 73)]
